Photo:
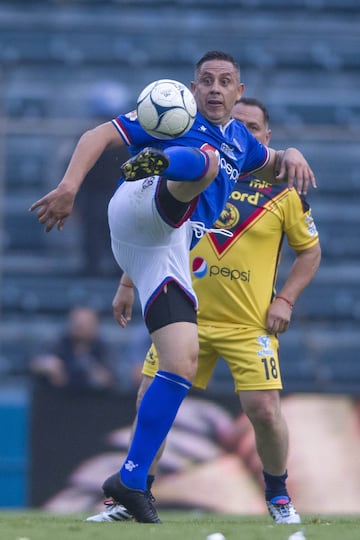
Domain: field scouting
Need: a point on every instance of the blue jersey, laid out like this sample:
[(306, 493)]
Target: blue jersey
[(239, 153)]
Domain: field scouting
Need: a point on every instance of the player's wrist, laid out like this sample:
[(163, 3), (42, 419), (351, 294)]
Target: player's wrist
[(127, 285), (286, 300)]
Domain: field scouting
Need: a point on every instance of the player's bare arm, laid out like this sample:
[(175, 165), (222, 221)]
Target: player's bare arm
[(56, 206), (302, 272), (123, 301), (288, 166)]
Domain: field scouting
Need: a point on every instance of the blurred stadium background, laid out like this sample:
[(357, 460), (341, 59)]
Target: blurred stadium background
[(66, 64)]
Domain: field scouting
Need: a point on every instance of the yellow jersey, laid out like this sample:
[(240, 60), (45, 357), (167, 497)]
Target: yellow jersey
[(234, 277)]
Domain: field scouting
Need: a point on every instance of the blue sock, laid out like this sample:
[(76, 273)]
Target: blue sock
[(156, 415), (186, 164), (275, 486)]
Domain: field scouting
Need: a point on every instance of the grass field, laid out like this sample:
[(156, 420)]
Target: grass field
[(176, 526)]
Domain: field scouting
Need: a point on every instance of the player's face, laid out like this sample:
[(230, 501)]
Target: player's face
[(253, 118), (216, 89)]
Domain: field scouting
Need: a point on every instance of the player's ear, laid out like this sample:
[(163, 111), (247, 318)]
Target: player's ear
[(192, 86), (267, 137), (241, 90)]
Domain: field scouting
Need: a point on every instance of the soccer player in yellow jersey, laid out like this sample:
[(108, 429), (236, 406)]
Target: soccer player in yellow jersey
[(240, 314)]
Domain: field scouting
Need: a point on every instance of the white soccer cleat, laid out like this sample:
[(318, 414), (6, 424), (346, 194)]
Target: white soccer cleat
[(112, 512), (282, 510)]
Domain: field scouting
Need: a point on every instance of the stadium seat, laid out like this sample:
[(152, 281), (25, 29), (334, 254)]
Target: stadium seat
[(300, 58), (28, 172), (55, 294), (22, 233), (334, 300)]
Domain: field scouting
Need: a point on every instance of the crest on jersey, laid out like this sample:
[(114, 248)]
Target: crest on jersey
[(265, 342), (228, 151), (229, 217)]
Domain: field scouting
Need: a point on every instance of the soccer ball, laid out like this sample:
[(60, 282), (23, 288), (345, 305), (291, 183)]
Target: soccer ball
[(166, 109)]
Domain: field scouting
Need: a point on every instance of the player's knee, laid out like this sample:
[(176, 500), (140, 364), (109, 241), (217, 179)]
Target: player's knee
[(192, 369), (264, 416), (187, 191), (263, 408), (212, 171), (187, 365)]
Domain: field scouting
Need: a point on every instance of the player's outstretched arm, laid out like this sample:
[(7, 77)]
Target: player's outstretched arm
[(56, 206)]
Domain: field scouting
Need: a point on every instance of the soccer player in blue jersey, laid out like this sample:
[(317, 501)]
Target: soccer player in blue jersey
[(151, 232), (239, 314)]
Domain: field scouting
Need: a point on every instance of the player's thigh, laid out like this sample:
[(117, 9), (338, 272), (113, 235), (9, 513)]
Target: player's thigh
[(173, 303), (177, 348), (129, 210), (252, 357), (206, 360), (134, 217), (151, 361), (207, 357)]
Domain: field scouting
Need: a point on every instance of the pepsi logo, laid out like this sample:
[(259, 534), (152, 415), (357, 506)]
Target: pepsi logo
[(199, 267)]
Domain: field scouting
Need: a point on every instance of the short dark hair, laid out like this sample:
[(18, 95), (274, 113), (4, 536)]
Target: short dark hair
[(217, 55), (256, 103)]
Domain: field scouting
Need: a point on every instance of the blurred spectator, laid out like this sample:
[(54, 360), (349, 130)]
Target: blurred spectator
[(80, 357)]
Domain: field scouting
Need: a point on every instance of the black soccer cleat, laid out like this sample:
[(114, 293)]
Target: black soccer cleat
[(148, 162), (137, 502)]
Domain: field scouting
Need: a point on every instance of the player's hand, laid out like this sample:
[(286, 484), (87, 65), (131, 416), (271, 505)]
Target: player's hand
[(295, 170), (122, 304), (54, 207), (278, 316)]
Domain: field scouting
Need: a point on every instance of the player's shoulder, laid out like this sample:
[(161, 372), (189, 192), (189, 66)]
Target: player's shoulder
[(294, 200), (128, 117), (296, 197)]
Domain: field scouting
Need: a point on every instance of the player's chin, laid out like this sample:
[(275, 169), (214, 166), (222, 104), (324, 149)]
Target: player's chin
[(216, 115)]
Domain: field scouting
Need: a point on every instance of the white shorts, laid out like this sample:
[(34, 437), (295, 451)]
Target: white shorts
[(149, 250)]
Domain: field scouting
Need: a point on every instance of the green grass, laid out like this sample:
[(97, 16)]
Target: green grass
[(35, 525)]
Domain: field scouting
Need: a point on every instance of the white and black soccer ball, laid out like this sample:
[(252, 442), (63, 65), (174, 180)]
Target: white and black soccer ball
[(166, 109)]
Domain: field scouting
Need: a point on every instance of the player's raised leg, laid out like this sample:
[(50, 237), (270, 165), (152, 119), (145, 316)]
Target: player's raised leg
[(148, 162), (176, 163)]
